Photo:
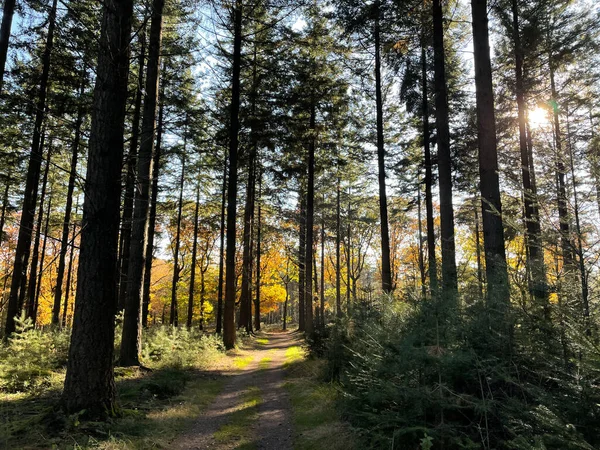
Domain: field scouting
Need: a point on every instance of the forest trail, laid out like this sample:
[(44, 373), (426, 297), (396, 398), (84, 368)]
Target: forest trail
[(253, 411)]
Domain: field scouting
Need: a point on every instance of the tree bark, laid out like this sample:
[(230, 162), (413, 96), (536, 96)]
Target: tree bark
[(152, 219), (234, 124), (338, 258), (131, 342), (69, 273), (89, 383), (7, 16), (322, 322), (386, 270), (493, 231), (302, 262), (221, 250), (246, 291), (449, 276), (174, 316), (31, 185), (190, 310), (432, 261), (130, 181), (36, 296), (582, 271), (64, 243), (4, 208), (310, 211), (535, 258), (31, 290), (258, 255), (563, 211)]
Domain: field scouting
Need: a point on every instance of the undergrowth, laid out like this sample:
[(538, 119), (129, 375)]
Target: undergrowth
[(155, 405), (416, 377)]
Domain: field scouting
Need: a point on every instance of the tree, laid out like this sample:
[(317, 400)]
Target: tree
[(493, 231), (131, 343), (89, 382)]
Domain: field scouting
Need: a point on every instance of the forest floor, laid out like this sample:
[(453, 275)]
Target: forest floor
[(264, 395)]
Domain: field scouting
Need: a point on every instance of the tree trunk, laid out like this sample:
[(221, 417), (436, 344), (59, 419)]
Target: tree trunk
[(246, 291), (7, 16), (478, 249), (173, 318), (31, 184), (582, 271), (449, 276), (422, 272), (348, 253), (131, 342), (535, 258), (322, 323), (338, 257), (258, 254), (130, 181), (190, 311), (4, 208), (221, 250), (36, 296), (301, 263), (69, 274), (432, 261), (152, 219), (310, 211), (64, 243), (493, 231), (234, 124), (386, 270), (89, 383), (36, 245), (563, 211)]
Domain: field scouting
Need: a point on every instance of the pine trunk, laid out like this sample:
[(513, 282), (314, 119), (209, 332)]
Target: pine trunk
[(229, 331), (130, 191), (338, 256), (31, 185), (31, 290), (449, 276), (64, 243), (174, 316), (4, 208), (310, 211), (258, 255), (190, 311), (493, 231), (301, 263), (89, 383), (386, 270), (221, 250), (8, 12), (432, 261), (131, 341), (149, 255)]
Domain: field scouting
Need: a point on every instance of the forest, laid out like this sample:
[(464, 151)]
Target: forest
[(300, 224)]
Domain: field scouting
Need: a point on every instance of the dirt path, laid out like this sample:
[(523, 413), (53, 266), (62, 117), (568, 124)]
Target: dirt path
[(253, 411)]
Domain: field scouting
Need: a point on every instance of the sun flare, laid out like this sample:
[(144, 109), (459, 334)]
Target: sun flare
[(538, 117)]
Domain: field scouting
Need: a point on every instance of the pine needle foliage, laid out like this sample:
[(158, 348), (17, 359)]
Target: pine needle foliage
[(413, 376)]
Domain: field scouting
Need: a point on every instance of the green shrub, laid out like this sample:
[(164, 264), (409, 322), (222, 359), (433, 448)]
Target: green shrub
[(29, 357), (169, 346), (412, 380)]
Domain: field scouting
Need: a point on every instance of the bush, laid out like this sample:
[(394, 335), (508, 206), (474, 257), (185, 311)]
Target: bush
[(169, 346), (412, 380), (30, 356)]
